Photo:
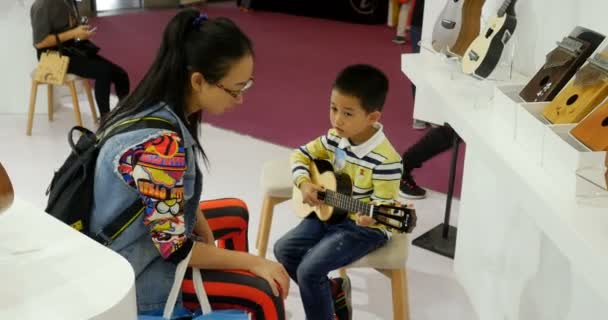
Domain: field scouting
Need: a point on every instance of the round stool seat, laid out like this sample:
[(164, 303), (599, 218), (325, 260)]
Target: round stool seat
[(68, 76), (276, 178)]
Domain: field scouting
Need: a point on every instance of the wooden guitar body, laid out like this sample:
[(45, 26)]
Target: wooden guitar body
[(485, 51), (448, 25), (561, 64), (338, 201), (580, 96), (469, 30), (322, 174), (593, 130)]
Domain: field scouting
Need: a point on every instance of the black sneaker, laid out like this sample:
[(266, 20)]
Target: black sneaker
[(409, 189), (399, 39), (342, 299)]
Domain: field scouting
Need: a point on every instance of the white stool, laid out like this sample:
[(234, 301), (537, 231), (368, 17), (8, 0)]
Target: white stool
[(389, 260), (70, 81), (277, 185)]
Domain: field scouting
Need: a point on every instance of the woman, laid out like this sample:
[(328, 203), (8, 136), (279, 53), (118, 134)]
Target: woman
[(57, 23), (201, 65)]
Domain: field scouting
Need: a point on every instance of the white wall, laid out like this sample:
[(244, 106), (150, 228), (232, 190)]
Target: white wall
[(18, 58), (540, 23)]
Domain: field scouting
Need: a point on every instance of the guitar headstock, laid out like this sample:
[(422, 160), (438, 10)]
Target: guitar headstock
[(395, 217)]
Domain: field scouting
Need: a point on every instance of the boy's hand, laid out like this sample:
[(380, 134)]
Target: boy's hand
[(309, 193), (364, 220)]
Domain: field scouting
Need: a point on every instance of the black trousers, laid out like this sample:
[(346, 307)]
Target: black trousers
[(436, 141), (105, 73)]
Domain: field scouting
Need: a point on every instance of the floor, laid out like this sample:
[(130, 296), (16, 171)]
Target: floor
[(434, 291)]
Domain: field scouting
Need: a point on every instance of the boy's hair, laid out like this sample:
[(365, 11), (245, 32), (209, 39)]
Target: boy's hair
[(366, 83)]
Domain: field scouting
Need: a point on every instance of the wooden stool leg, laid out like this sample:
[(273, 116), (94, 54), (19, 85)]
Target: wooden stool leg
[(266, 222), (87, 89), (401, 309), (74, 93), (50, 102), (30, 116), (262, 222)]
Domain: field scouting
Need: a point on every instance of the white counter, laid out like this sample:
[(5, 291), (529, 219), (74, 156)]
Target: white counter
[(526, 248), (50, 271)]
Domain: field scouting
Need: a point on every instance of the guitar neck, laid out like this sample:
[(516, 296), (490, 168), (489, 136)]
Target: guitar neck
[(345, 202), (508, 7)]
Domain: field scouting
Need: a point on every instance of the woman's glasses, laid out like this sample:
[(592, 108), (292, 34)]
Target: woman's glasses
[(237, 93)]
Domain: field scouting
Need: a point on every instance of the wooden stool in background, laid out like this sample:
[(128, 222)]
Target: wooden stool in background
[(70, 81)]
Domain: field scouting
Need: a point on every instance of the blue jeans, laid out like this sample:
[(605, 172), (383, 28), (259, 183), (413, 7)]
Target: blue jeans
[(314, 248)]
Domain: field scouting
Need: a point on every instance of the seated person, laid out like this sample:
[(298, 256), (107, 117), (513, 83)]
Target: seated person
[(356, 146), (57, 23)]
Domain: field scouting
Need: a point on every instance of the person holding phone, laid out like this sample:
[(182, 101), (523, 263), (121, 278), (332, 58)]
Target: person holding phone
[(56, 24)]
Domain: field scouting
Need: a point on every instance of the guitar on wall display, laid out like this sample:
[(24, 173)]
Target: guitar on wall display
[(588, 89), (457, 25), (471, 17), (561, 64), (337, 196), (448, 24), (485, 51)]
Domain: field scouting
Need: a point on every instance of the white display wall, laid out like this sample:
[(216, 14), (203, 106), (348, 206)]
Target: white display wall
[(18, 58)]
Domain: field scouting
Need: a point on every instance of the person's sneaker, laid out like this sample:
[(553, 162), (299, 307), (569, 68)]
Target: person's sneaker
[(399, 39), (342, 299), (419, 125), (409, 189)]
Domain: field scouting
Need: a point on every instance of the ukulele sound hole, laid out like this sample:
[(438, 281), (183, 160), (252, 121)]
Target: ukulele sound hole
[(544, 81), (572, 99), (605, 124), (456, 1)]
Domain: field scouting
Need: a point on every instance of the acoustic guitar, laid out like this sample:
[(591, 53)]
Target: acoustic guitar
[(593, 130), (561, 64), (469, 30), (338, 200), (583, 94), (483, 55)]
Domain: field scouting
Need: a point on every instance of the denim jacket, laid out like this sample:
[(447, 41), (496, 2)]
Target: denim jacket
[(154, 275)]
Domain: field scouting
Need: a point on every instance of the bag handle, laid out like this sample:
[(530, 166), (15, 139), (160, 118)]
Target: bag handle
[(180, 272)]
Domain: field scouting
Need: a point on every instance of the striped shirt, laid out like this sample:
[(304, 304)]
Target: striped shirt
[(374, 166)]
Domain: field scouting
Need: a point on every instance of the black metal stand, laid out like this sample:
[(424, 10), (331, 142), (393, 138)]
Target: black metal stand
[(442, 238)]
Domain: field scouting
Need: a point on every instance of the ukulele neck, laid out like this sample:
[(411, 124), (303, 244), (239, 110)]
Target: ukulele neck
[(345, 202)]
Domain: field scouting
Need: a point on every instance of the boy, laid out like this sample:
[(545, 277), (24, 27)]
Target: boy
[(355, 145)]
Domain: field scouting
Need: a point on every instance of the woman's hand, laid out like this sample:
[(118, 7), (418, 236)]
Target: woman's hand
[(309, 193), (82, 32), (274, 273)]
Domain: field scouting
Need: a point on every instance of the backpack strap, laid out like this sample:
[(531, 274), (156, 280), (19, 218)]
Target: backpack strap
[(112, 230)]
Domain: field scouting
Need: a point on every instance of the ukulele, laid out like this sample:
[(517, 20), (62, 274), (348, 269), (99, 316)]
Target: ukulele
[(448, 25), (593, 130), (580, 96), (561, 64), (338, 200), (485, 51), (471, 16)]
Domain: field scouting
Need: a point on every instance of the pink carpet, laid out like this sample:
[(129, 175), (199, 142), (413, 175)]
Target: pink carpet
[(297, 59)]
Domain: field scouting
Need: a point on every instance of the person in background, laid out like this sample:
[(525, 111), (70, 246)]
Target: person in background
[(57, 23)]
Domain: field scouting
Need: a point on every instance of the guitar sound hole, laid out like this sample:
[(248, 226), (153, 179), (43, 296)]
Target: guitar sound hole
[(605, 123), (456, 1), (544, 81), (489, 32), (572, 99)]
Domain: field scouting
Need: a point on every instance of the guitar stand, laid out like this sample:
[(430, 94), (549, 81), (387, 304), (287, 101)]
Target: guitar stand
[(442, 238)]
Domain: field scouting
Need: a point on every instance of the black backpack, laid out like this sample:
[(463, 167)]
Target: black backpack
[(71, 190)]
